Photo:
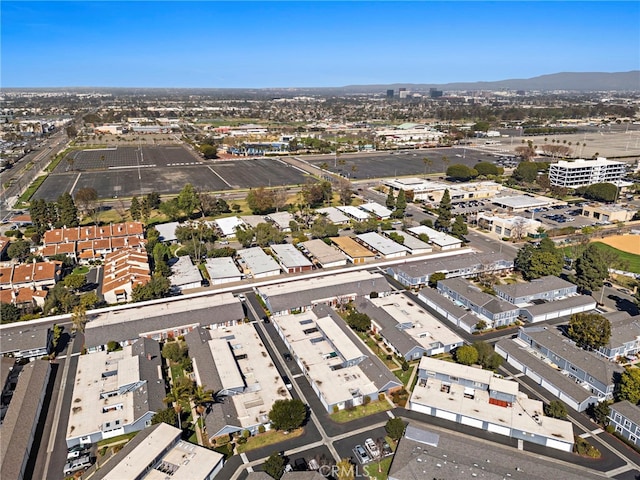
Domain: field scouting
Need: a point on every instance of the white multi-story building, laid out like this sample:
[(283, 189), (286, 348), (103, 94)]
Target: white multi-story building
[(580, 173)]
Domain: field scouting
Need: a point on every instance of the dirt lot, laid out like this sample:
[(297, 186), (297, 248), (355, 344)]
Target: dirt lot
[(626, 243)]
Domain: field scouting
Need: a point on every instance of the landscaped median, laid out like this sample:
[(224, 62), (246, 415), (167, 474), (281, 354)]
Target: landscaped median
[(353, 413), (269, 437)]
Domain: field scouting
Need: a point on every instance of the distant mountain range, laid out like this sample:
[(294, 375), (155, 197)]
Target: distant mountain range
[(574, 81), (580, 81)]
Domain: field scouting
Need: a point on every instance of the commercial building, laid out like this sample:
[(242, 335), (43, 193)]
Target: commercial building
[(406, 328), (432, 192), (158, 452), (478, 398), (340, 369), (580, 173), (355, 252), (291, 259), (222, 270), (304, 294), (520, 203), (608, 213), (233, 362), (322, 254), (416, 273), (625, 418), (116, 392), (18, 429), (257, 264), (509, 226)]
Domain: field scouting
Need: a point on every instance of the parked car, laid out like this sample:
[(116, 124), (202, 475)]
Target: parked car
[(77, 464), (361, 454), (372, 448)]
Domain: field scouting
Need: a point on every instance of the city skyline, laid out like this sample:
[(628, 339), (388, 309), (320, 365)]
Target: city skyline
[(309, 44)]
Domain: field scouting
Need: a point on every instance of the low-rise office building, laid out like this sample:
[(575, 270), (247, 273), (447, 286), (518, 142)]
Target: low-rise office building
[(159, 452), (291, 259), (477, 398), (580, 173), (508, 226), (340, 369), (116, 392), (520, 203), (608, 213)]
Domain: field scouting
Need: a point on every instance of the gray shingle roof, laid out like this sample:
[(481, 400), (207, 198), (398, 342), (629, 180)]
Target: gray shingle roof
[(148, 352), (452, 263), (556, 305), (540, 285), (398, 338), (475, 295), (629, 410), (22, 415), (458, 312), (624, 328)]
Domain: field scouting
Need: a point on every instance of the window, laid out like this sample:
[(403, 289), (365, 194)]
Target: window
[(306, 322)]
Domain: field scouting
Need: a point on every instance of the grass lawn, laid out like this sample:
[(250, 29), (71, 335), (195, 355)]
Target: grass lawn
[(267, 438), (176, 372), (372, 469), (343, 416), (404, 376), (381, 352), (119, 438), (630, 258), (80, 270), (31, 189)]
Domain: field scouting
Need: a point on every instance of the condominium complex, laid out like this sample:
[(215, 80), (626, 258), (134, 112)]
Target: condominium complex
[(580, 173)]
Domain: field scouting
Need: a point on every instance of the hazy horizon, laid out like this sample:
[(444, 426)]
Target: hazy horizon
[(319, 44)]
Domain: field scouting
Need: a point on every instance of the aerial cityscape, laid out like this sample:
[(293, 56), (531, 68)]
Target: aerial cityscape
[(320, 240)]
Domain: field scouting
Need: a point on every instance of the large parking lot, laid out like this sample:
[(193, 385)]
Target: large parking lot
[(128, 171)]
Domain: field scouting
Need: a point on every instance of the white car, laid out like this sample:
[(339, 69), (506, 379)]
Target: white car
[(372, 448)]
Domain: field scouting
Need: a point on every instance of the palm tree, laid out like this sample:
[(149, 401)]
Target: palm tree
[(429, 162), (79, 318), (445, 161), (179, 394), (201, 397)]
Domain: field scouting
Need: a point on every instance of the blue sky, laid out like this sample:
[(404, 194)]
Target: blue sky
[(309, 44)]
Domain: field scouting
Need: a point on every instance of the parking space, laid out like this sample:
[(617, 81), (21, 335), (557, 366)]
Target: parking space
[(259, 172), (346, 448)]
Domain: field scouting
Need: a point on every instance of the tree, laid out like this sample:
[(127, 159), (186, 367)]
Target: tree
[(589, 330), (323, 228), (395, 428), (267, 234), (288, 414), (188, 199), (167, 416), (600, 192), (390, 202), (89, 300), (443, 221), (538, 261), (459, 228), (345, 470), (600, 412), (526, 172), (344, 191), (435, 277), (245, 235), (556, 409), (179, 395), (87, 197), (260, 201), (174, 351), (67, 211), (9, 313), (274, 466), (487, 357), (427, 162), (157, 287), (19, 250), (113, 346), (630, 386), (79, 318), (201, 397), (316, 194), (134, 209), (461, 172), (401, 201), (360, 322), (75, 282), (487, 169), (209, 151), (56, 334), (591, 270), (466, 355)]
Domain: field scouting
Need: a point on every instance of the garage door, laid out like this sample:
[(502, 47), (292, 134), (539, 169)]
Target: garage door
[(534, 376), (552, 388), (498, 429), (472, 422), (446, 415), (559, 445)]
